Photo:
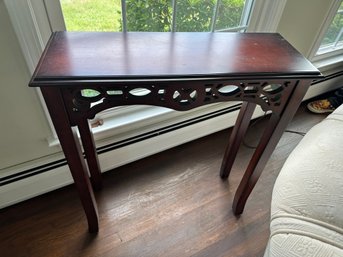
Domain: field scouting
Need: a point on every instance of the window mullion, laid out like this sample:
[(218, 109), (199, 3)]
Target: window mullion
[(174, 6), (214, 17), (123, 15), (338, 37), (246, 13)]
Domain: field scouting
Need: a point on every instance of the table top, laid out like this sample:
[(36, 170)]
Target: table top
[(96, 56)]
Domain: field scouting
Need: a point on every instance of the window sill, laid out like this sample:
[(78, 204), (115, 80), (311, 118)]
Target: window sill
[(327, 65)]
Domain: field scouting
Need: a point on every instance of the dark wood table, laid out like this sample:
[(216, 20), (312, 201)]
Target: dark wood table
[(176, 70)]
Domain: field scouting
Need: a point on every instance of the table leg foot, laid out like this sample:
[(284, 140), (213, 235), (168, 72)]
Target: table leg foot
[(241, 197)]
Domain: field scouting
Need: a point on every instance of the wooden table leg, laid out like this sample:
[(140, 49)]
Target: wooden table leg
[(236, 137), (256, 165), (72, 150), (270, 138), (90, 152)]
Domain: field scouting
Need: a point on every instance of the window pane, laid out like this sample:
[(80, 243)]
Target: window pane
[(230, 14), (92, 15), (194, 15), (333, 38), (198, 15), (149, 15)]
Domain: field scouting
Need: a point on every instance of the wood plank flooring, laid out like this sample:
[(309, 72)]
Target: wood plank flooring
[(170, 204)]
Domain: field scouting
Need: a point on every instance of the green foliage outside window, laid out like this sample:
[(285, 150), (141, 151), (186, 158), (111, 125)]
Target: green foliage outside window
[(191, 15), (150, 15), (91, 15), (333, 30)]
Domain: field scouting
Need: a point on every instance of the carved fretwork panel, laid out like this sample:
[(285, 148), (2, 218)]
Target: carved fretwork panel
[(85, 102)]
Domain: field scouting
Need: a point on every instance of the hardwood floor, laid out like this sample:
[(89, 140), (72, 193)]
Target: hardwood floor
[(170, 204)]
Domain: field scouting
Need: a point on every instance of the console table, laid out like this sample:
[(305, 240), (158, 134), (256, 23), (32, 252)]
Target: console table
[(175, 70)]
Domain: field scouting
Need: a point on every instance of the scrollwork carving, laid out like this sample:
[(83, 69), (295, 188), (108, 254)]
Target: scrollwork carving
[(182, 96)]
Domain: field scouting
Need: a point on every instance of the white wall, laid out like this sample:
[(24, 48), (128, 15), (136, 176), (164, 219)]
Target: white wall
[(301, 21), (23, 125)]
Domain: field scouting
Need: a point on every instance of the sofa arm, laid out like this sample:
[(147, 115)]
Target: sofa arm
[(307, 201)]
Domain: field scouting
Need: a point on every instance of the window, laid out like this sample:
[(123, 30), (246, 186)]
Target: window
[(331, 39), (151, 15)]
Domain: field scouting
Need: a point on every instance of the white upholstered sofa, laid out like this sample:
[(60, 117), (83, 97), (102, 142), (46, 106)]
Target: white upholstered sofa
[(307, 201)]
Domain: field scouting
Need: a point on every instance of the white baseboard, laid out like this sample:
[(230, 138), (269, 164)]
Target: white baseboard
[(45, 182)]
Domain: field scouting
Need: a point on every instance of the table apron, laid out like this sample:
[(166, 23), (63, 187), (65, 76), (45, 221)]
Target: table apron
[(270, 94)]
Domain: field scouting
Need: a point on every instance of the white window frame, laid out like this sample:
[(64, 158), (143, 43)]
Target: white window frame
[(330, 59), (34, 21)]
